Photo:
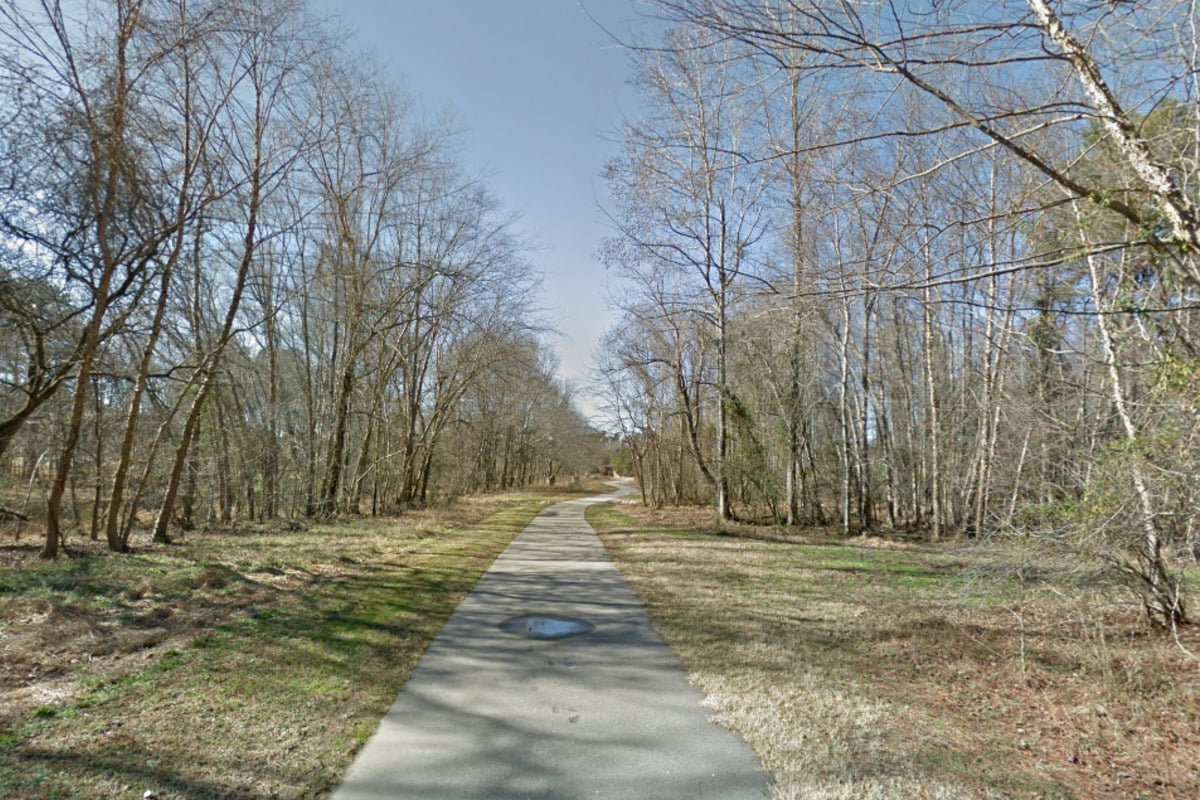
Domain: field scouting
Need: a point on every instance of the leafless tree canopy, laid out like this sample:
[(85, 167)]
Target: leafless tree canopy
[(241, 278), (918, 266)]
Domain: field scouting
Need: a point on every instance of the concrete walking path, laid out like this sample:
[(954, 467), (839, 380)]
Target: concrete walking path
[(607, 713)]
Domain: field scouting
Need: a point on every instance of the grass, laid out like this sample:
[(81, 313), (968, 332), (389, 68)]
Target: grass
[(239, 664), (868, 668), (254, 663)]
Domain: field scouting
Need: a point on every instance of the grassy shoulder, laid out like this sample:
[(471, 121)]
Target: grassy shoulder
[(239, 664), (866, 668)]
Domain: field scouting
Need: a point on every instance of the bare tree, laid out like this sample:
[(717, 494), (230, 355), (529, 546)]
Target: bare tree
[(187, 95), (277, 45), (963, 353), (689, 205), (111, 230), (215, 229), (954, 57)]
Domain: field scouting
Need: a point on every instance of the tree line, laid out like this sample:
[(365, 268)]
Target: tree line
[(918, 266), (244, 277)]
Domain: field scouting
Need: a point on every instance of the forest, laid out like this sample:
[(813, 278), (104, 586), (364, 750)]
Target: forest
[(905, 366), (244, 277), (921, 268)]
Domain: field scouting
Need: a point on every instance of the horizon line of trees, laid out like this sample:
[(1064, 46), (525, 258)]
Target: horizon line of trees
[(241, 277), (929, 267)]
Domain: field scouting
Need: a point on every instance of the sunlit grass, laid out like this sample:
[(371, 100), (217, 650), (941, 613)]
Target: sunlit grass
[(239, 664), (865, 668)]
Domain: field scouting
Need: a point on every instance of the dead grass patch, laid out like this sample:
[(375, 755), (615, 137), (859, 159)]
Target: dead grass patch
[(234, 664), (869, 669)]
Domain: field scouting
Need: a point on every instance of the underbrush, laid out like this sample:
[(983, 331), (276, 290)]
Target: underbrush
[(874, 668)]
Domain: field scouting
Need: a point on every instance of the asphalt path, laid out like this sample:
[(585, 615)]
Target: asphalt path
[(493, 712)]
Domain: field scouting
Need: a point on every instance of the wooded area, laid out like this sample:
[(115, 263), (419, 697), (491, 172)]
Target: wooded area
[(242, 277), (926, 267)]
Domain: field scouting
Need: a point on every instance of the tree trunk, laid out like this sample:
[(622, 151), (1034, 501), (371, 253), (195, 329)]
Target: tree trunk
[(210, 365), (224, 465), (721, 470), (1161, 593), (933, 420), (337, 446), (270, 491), (98, 464), (866, 498), (105, 141), (844, 415), (1173, 203)]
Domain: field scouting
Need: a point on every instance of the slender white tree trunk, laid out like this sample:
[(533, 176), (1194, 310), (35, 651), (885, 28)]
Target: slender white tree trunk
[(1161, 594)]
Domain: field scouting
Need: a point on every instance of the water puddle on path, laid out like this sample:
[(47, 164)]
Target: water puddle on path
[(546, 626)]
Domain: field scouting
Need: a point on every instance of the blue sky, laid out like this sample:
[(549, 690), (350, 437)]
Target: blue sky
[(539, 91)]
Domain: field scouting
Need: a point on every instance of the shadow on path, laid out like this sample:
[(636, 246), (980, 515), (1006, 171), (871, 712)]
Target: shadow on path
[(607, 713)]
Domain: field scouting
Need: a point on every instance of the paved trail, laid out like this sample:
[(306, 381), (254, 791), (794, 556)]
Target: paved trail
[(607, 713)]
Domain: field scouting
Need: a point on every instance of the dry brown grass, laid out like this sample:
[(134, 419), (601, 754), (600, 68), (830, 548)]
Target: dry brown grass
[(246, 663), (871, 668)]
